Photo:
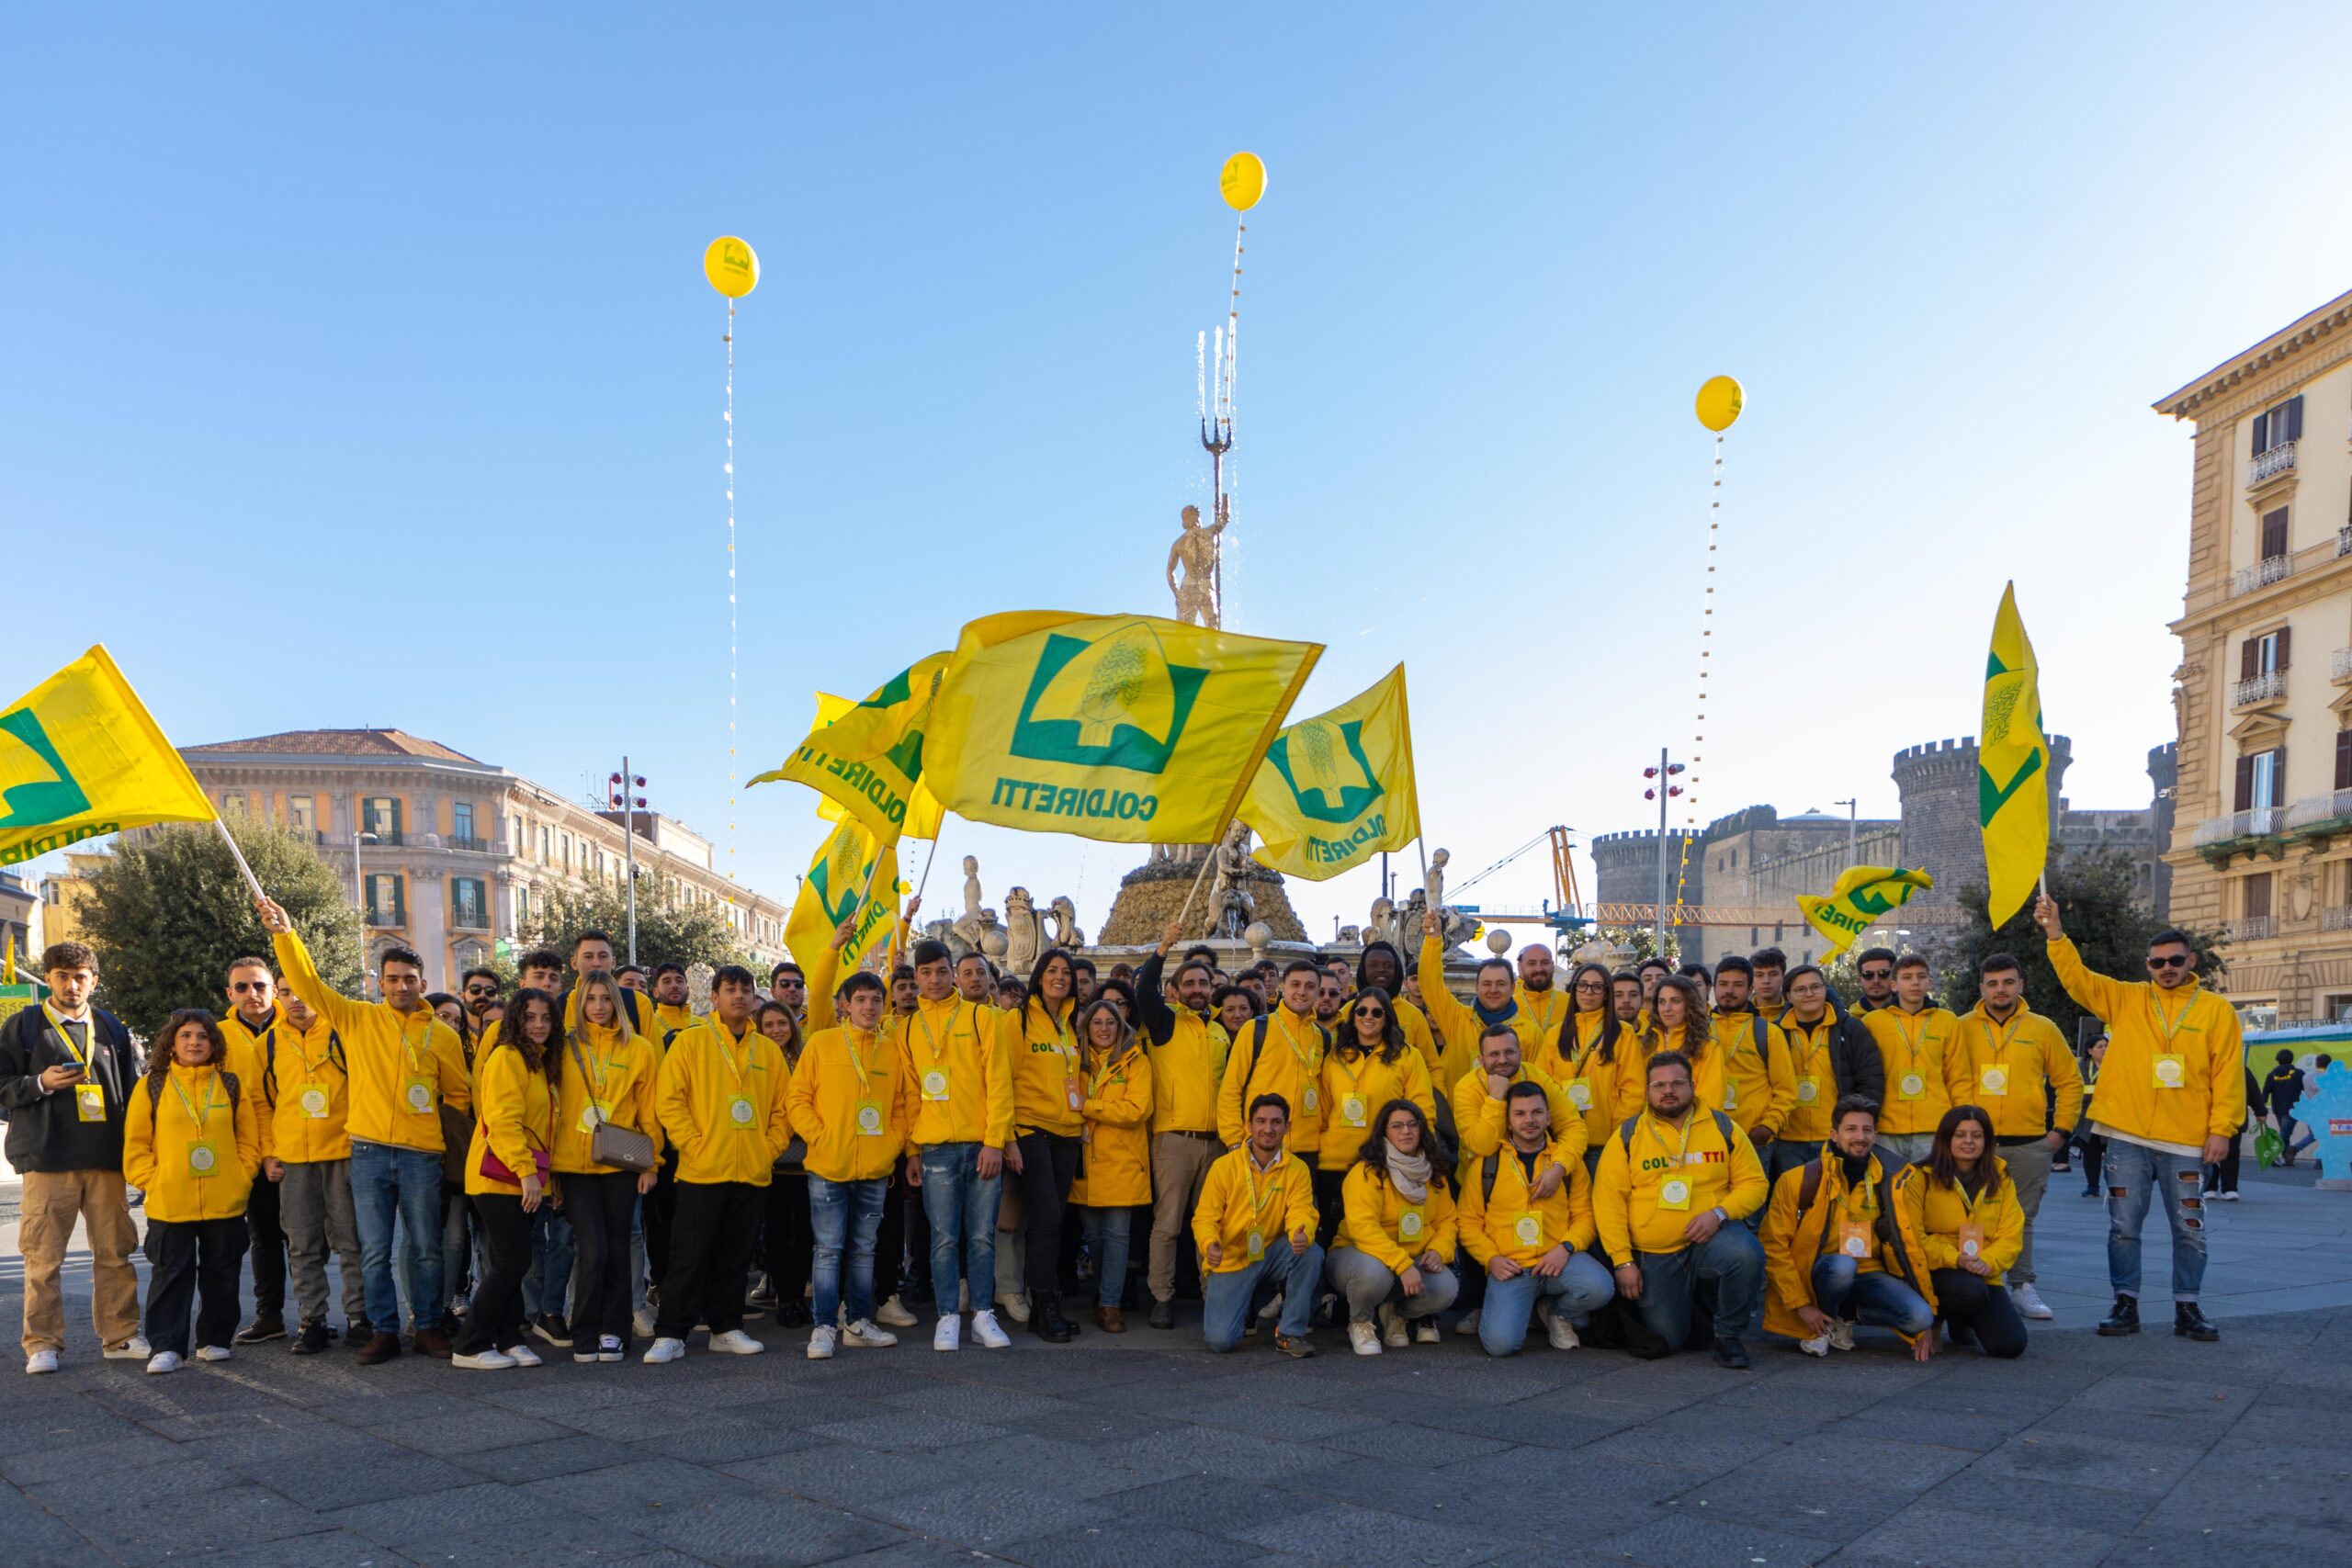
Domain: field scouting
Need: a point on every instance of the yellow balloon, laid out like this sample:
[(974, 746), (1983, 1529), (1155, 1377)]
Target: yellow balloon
[(1243, 181), (1720, 402), (732, 266)]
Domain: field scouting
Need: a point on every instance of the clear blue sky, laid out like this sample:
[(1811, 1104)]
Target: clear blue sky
[(358, 369)]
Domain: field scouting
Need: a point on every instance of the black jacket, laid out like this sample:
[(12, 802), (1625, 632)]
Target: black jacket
[(46, 1132)]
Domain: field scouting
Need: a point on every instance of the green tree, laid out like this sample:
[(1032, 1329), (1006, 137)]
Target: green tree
[(2098, 907), (669, 929), (168, 911)]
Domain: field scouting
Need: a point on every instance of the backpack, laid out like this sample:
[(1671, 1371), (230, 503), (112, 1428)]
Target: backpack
[(155, 1089)]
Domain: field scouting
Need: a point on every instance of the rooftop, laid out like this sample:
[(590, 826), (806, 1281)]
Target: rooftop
[(2292, 340), (340, 743)]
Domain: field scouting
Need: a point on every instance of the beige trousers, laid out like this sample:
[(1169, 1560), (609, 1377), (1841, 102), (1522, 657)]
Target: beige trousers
[(54, 1201)]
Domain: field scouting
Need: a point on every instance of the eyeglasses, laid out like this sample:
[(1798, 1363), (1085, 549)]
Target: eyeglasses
[(2170, 960), (251, 985)]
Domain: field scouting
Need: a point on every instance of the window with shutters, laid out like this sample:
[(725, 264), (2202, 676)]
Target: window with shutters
[(2255, 895), (469, 903), (387, 899), (2279, 426), (2274, 533), (2262, 666), (2261, 780)]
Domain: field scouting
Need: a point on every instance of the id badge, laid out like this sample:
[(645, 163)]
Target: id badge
[(869, 1118), (1993, 1081), (1972, 1239), (1409, 1225), (203, 1158), (1313, 1099), (418, 1096), (90, 1102), (314, 1104), (2172, 1070), (934, 1083), (1580, 1094), (1731, 1095), (739, 1110), (1074, 1094), (1528, 1228), (1257, 1245), (1352, 1110), (1674, 1193), (1808, 1090), (1854, 1238), (1911, 1087), (595, 1110)]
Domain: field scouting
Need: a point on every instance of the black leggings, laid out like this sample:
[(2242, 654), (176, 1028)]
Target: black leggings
[(1964, 1301), (788, 1242), (1048, 1166), (495, 1321), (601, 1207), (193, 1264), (1331, 1204)]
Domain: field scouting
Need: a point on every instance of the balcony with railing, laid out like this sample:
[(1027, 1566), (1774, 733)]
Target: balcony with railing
[(2270, 570), (2239, 832), (2319, 816), (2252, 928), (2268, 466), (2339, 665), (2344, 541), (384, 918), (468, 918), (2264, 688), (459, 842), (2335, 917)]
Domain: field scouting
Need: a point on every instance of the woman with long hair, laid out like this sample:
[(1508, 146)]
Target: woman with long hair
[(1048, 1103), (1233, 1007), (516, 1084), (788, 1241), (192, 1144), (1582, 1057), (1972, 1227), (614, 1079), (1397, 1231), (1370, 1063), (1677, 1019), (1382, 966), (1115, 1159)]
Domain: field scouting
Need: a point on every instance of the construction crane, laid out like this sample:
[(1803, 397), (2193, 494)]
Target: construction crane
[(1564, 911)]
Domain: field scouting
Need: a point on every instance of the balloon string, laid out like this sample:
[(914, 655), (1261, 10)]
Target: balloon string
[(732, 628), (1706, 638)]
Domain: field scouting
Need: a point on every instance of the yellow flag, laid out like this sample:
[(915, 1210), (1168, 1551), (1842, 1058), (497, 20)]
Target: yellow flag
[(866, 758), (1862, 897), (1337, 789), (1126, 727), (2012, 767), (836, 887), (80, 756), (8, 965)]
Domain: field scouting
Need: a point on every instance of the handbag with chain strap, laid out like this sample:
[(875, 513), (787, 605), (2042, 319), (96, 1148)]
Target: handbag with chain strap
[(609, 1142)]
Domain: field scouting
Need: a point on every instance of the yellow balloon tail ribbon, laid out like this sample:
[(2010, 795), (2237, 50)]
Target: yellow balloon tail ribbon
[(1706, 650), (732, 646)]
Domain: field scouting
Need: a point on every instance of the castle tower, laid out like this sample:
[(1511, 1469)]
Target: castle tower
[(1941, 832)]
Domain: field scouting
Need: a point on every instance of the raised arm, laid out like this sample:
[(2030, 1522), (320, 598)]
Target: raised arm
[(303, 975)]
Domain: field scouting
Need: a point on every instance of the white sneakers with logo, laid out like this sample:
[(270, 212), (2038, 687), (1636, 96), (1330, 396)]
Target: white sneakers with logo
[(949, 1335), (863, 1336), (821, 1342), (985, 1330), (663, 1351), (735, 1342), (164, 1361)]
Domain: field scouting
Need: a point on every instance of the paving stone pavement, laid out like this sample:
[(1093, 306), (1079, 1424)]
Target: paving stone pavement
[(1148, 1450)]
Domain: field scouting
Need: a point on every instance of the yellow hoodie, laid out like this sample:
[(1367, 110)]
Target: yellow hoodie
[(1239, 1200), (1462, 1027), (183, 1146), (1351, 1091), (1759, 1089), (1115, 1169), (309, 1099), (1926, 1070), (1375, 1219), (1046, 1090), (514, 1117), (1185, 1072), (668, 1019), (2174, 1073), (721, 1099), (959, 1055), (621, 1077), (1654, 1176), (1633, 1083), (1482, 1123), (1512, 1224), (1885, 1220), (1279, 1054), (249, 1058), (853, 1099), (403, 1066), (2010, 1067), (1948, 1220)]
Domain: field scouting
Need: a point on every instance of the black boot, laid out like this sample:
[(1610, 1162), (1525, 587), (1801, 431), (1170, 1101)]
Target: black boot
[(1163, 1314), (2190, 1324), (1046, 1321), (2124, 1319), (1730, 1352)]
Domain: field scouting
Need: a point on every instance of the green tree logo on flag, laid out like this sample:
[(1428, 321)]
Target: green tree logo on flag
[(1115, 701), (35, 783), (839, 870), (1324, 763)]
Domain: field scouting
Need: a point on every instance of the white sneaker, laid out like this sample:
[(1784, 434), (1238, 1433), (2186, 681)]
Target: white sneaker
[(642, 1323), (735, 1342), (163, 1362), (985, 1330), (2029, 1301), (214, 1353), (1562, 1332), (1817, 1346), (485, 1361), (608, 1347), (1019, 1307), (1272, 1310), (1365, 1338), (522, 1355), (1392, 1325), (586, 1358), (1468, 1326), (862, 1335), (662, 1351), (1426, 1332), (894, 1312), (1841, 1335), (821, 1342), (949, 1335), (2229, 1197), (41, 1361), (134, 1349)]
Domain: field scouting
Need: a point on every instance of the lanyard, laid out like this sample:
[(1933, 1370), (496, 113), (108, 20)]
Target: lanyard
[(1910, 1040), (1999, 1044), (2172, 1028), (598, 1066), (408, 1048), (718, 1033), (1291, 1039), (1063, 1041), (930, 1039), (1250, 1173), (849, 1048), (1681, 1153), (1101, 1076), (194, 1115), (1811, 1050), (80, 1060)]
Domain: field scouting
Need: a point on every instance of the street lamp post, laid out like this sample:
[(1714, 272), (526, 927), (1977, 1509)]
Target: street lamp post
[(619, 789), (1662, 790), (359, 893), (1850, 808)]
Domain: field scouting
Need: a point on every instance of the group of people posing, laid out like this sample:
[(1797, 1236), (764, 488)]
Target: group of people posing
[(1652, 1160)]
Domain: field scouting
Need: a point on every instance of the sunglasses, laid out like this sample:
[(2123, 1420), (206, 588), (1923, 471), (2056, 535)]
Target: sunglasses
[(1878, 973), (251, 985), (2171, 961), (482, 990), (1370, 1012)]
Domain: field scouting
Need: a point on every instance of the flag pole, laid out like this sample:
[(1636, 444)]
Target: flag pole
[(238, 856), (1202, 875)]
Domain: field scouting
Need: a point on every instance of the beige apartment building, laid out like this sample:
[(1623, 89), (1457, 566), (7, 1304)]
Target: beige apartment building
[(2262, 845)]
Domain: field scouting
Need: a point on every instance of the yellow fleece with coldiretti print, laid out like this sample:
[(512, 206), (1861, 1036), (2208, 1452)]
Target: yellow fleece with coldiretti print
[(721, 1099), (1288, 1061), (617, 1077), (1812, 1074), (2176, 1060), (514, 1118), (960, 1055), (1046, 1094), (1386, 1226), (404, 1065), (1516, 1225), (853, 1100), (193, 1154), (1238, 1200), (1927, 1071), (1353, 1088), (1654, 1175), (1948, 1220)]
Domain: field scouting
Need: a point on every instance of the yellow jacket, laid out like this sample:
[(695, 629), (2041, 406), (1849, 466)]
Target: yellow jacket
[(1047, 1093), (1927, 1071), (668, 1019), (1461, 1024), (1237, 1199), (1115, 1170), (1281, 1053), (1185, 1073), (1631, 1208), (1575, 1066), (2176, 1061), (403, 1066), (2011, 1066), (1351, 1091), (164, 1132), (1634, 1050), (721, 1101), (1547, 1008), (1813, 1073), (1795, 1236), (1510, 1224), (1759, 1090), (961, 1063), (622, 1077), (514, 1117), (853, 1100), (250, 1051), (1940, 1213), (304, 1089), (1482, 1123), (1372, 1220), (1418, 1033)]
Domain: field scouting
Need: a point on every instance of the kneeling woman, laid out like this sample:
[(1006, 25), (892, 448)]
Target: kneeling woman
[(192, 1144), (1396, 1233), (515, 1085), (1114, 1150), (1971, 1228)]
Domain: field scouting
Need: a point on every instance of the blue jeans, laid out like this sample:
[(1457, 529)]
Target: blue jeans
[(456, 1237), (2135, 1174), (1230, 1297), (960, 1204), (1583, 1286), (1879, 1299), (1731, 1260), (385, 1181), (1783, 1155), (839, 1210), (1106, 1231), (554, 1252)]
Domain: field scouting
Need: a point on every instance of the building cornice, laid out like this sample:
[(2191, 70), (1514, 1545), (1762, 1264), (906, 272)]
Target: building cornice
[(2262, 360)]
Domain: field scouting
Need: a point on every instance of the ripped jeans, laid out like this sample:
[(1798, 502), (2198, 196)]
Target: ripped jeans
[(2134, 1173)]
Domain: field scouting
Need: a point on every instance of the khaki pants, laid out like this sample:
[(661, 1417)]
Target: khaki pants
[(2030, 1168), (1180, 1165), (54, 1201)]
